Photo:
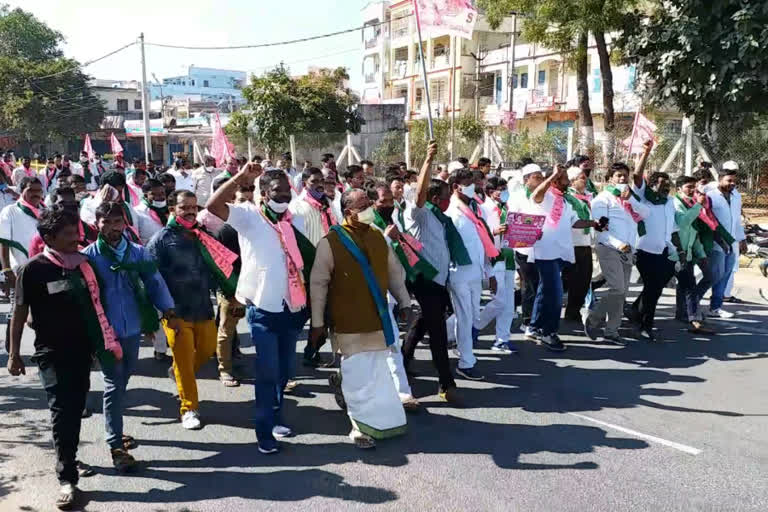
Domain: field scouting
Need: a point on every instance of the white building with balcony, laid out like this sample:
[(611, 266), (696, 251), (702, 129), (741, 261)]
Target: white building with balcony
[(474, 77), (202, 84)]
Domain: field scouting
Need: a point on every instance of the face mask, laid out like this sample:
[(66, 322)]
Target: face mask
[(83, 159), (468, 190), (386, 212), (444, 204), (317, 196), (277, 207), (366, 216), (621, 187), (159, 204), (504, 196)]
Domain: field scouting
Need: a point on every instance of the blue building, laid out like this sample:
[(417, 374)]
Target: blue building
[(202, 84)]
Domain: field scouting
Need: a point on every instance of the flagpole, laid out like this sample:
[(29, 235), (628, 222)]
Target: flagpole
[(634, 131), (424, 70)]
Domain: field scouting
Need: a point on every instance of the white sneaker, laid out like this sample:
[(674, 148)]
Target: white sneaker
[(280, 431), (720, 313), (191, 421)]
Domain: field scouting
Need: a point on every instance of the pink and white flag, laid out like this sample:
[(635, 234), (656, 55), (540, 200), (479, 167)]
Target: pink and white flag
[(88, 148), (221, 148), (453, 17), (115, 145), (643, 131)]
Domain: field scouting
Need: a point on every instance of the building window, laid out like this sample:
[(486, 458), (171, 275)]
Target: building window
[(192, 82), (542, 77), (205, 83), (523, 80), (122, 105), (137, 104)]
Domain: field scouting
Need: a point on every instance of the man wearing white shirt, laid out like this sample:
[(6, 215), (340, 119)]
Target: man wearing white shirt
[(553, 250), (519, 203), (397, 187), (276, 307), (726, 205), (312, 210), (25, 170), (184, 179), (615, 247), (656, 254), (204, 177), (465, 281)]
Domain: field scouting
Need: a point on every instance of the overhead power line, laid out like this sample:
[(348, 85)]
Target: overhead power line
[(277, 43), (87, 63)]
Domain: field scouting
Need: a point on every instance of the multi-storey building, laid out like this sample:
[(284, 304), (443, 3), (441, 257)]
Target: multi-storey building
[(202, 84), (474, 77)]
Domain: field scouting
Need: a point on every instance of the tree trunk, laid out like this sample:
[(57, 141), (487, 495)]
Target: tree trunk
[(609, 118), (586, 126)]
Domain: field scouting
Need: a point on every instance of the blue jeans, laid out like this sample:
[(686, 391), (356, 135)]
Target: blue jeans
[(274, 336), (115, 383), (549, 297), (721, 266)]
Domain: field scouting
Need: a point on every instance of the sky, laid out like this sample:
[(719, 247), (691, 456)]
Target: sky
[(93, 28)]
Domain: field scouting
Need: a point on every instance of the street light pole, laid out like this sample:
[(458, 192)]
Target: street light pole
[(145, 104)]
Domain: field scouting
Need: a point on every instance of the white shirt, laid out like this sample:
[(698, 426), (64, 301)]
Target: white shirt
[(20, 173), (184, 183), (556, 241), (659, 225), (469, 236), (147, 225), (19, 227), (728, 214), (307, 219), (262, 257), (622, 229), (88, 211)]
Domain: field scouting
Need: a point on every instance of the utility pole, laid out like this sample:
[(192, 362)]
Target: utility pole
[(145, 104), (512, 69), (453, 93)]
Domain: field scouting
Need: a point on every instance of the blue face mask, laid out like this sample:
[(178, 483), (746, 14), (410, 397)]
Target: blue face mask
[(504, 196)]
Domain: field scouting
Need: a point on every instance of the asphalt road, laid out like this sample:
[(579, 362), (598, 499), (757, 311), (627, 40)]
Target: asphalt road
[(681, 425)]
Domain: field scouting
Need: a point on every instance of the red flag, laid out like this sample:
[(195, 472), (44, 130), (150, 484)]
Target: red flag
[(454, 17), (88, 148), (115, 144), (221, 148)]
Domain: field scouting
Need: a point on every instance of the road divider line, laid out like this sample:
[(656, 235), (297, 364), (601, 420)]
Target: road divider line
[(671, 444)]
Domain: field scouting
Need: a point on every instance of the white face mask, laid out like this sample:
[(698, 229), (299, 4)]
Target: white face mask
[(159, 204), (621, 187), (468, 190), (366, 216), (277, 207)]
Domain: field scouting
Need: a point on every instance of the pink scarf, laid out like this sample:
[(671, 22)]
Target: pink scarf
[(297, 293), (80, 261), (26, 204), (553, 219), (628, 208), (410, 247), (135, 194), (326, 214), (705, 214), (490, 248), (222, 257)]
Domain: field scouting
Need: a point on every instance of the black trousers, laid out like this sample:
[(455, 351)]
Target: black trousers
[(577, 279), (529, 276), (435, 304), (656, 270), (66, 380)]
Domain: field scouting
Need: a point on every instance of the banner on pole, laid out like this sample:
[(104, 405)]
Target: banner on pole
[(643, 131), (115, 145), (88, 147), (454, 17)]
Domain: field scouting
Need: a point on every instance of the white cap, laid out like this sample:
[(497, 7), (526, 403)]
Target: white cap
[(455, 166), (531, 169), (574, 172), (730, 165)]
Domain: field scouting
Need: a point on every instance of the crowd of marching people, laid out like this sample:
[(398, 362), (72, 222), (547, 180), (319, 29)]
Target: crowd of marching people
[(96, 257)]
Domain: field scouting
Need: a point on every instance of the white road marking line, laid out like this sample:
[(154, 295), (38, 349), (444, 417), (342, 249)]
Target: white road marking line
[(677, 446)]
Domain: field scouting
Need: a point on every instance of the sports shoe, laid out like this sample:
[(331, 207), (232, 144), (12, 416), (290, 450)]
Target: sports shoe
[(590, 329), (532, 333), (470, 374), (162, 357), (501, 346), (191, 421), (268, 447), (614, 339), (648, 334), (123, 461), (699, 328), (281, 431), (410, 404), (453, 396), (720, 313), (67, 496), (552, 342)]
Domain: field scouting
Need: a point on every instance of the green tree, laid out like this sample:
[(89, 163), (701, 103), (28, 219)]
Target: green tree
[(42, 94), (565, 26), (549, 146), (279, 106), (469, 132), (708, 58)]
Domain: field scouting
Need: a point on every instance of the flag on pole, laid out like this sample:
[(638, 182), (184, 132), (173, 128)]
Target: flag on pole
[(88, 148), (454, 17), (115, 144), (643, 130), (221, 148), (197, 155)]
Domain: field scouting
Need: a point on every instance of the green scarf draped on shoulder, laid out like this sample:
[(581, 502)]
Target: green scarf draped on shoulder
[(456, 248), (506, 255), (149, 319), (708, 236), (306, 249), (422, 267), (79, 289), (580, 207), (591, 188)]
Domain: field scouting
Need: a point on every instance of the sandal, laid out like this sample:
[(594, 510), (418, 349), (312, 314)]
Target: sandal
[(411, 405), (84, 470), (290, 386), (229, 381), (129, 443), (67, 496)]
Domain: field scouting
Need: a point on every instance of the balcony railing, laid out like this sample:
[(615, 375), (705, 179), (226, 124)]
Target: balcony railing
[(440, 62), (400, 69)]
